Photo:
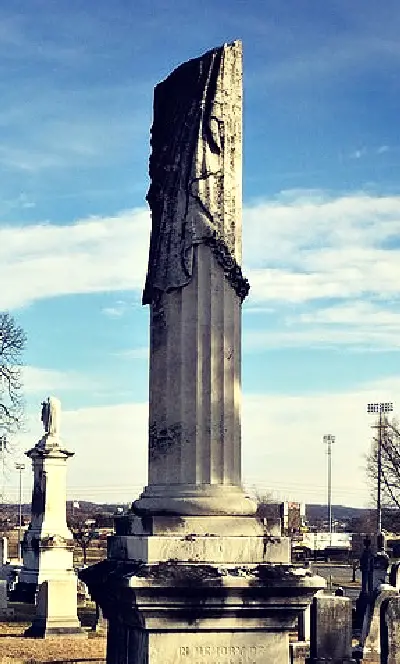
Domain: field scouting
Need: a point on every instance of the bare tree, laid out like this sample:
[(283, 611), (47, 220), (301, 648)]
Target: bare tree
[(390, 478), (12, 345)]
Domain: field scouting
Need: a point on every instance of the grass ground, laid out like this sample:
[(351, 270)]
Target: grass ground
[(17, 649)]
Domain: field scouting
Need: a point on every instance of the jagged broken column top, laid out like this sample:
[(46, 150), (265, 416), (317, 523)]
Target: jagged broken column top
[(196, 170)]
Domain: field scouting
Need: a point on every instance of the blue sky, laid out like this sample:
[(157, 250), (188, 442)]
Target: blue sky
[(320, 226)]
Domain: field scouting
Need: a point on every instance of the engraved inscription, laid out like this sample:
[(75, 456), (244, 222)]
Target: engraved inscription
[(212, 654)]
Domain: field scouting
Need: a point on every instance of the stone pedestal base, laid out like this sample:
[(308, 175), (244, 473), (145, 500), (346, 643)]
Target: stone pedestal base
[(199, 614), (194, 499), (56, 611), (214, 539)]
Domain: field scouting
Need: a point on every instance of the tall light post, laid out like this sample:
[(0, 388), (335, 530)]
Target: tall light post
[(329, 440), (3, 449), (20, 467), (381, 408)]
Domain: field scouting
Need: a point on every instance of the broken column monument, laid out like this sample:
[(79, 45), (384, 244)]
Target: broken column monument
[(48, 542), (191, 574)]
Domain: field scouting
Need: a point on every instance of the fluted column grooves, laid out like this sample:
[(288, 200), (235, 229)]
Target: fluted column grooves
[(194, 418)]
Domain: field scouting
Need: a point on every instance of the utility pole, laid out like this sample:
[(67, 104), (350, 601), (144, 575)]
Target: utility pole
[(3, 448), (20, 467), (381, 408), (329, 440)]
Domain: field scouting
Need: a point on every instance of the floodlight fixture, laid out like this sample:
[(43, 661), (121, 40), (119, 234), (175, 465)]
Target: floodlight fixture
[(382, 408)]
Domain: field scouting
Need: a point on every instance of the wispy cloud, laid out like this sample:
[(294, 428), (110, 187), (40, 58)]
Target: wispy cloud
[(370, 152), (40, 382), (115, 311), (358, 154), (140, 353)]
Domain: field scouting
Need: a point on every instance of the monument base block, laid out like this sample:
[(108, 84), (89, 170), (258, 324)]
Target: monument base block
[(56, 613), (180, 613), (196, 539)]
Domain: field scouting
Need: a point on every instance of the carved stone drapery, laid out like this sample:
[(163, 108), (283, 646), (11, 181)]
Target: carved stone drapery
[(195, 171)]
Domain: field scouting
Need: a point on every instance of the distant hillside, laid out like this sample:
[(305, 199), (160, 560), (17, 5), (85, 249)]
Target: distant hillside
[(340, 512)]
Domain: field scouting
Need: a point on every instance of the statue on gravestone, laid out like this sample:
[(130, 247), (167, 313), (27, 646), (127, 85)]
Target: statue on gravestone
[(45, 415), (194, 197), (50, 416)]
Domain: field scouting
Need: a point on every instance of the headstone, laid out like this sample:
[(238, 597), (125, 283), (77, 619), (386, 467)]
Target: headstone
[(191, 574), (394, 575), (3, 550), (331, 630), (3, 596), (304, 625), (390, 642), (56, 611), (380, 568), (370, 641), (100, 623), (4, 610)]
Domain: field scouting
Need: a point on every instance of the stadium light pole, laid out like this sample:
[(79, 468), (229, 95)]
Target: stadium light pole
[(381, 408), (329, 440), (20, 467)]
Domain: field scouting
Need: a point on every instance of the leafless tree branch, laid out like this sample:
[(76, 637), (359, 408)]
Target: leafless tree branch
[(12, 345)]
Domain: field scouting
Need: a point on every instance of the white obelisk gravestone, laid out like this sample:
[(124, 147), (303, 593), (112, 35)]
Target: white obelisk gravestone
[(48, 542)]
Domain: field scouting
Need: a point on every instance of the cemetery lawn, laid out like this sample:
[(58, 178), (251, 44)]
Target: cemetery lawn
[(16, 649)]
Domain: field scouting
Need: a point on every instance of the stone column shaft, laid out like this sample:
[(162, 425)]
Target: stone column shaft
[(195, 382)]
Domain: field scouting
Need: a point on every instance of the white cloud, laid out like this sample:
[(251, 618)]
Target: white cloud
[(91, 255), (43, 382), (320, 250), (301, 248), (359, 325)]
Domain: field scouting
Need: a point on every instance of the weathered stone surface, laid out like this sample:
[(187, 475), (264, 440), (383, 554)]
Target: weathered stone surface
[(195, 548), (196, 169), (195, 288), (370, 641), (390, 647), (200, 612), (228, 647), (331, 630), (130, 524)]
